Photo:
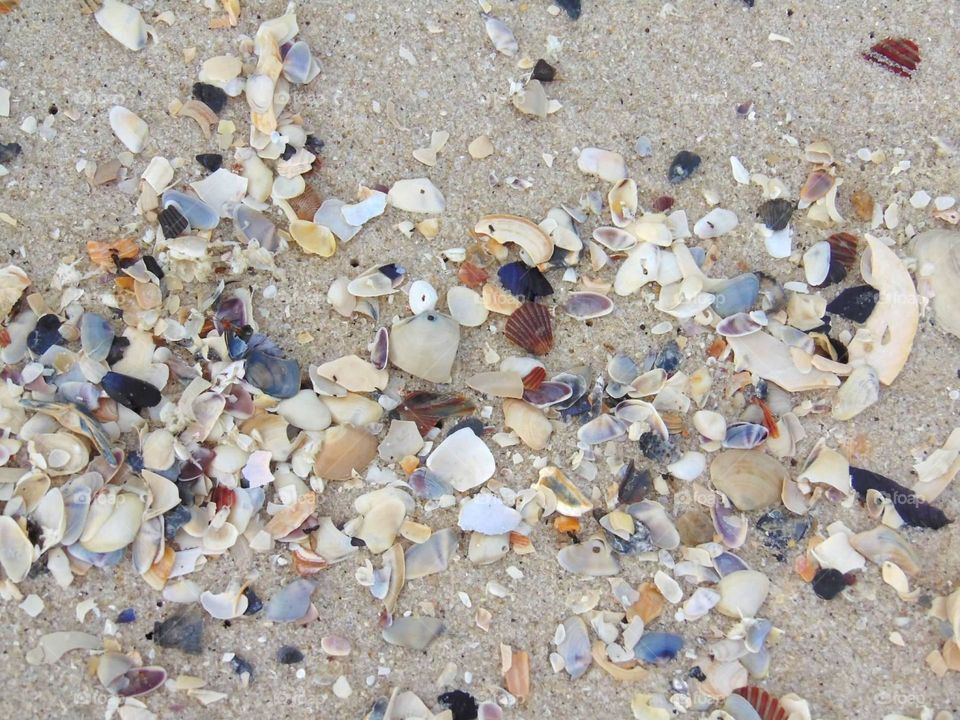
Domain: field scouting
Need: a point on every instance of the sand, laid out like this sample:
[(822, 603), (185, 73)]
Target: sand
[(625, 70)]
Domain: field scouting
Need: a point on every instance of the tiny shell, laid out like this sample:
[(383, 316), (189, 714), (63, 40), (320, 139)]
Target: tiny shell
[(129, 128), (530, 327), (901, 56), (123, 23), (417, 195), (528, 422), (415, 633), (422, 296), (684, 164), (622, 199), (500, 35), (658, 648), (520, 231), (614, 238), (587, 305), (817, 185)]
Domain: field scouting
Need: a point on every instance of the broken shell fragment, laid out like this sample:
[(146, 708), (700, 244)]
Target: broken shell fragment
[(513, 229), (574, 647), (605, 164), (486, 514), (622, 199), (498, 384), (16, 550), (431, 556), (463, 460), (742, 593), (751, 479), (414, 633), (571, 502), (859, 391), (658, 648), (528, 422), (592, 558), (466, 306), (417, 195), (500, 35), (123, 23), (345, 450), (715, 223), (426, 346), (938, 269), (129, 128)]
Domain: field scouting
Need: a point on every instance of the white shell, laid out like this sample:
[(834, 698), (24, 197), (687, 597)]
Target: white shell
[(500, 35), (605, 164), (425, 346), (16, 550), (486, 514), (417, 195), (859, 391), (370, 207), (129, 128), (123, 23), (715, 223), (816, 263), (221, 189), (422, 296), (466, 306), (463, 460), (742, 593), (779, 244), (305, 410)]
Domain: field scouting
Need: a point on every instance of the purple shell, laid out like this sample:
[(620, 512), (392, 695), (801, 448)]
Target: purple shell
[(745, 436)]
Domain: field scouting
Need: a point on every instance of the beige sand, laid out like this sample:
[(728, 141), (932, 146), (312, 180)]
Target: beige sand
[(624, 71)]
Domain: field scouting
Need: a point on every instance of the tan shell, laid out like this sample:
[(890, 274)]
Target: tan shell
[(518, 230), (528, 422), (355, 374), (62, 453), (771, 359), (16, 550), (622, 199), (750, 478), (883, 544), (345, 450), (938, 266), (570, 500), (113, 521), (498, 384), (885, 340), (13, 281)]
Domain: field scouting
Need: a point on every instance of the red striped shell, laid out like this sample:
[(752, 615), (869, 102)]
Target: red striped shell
[(530, 328), (843, 248), (533, 379), (766, 705), (900, 56)]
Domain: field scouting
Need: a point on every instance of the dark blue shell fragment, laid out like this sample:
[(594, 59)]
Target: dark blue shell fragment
[(129, 391)]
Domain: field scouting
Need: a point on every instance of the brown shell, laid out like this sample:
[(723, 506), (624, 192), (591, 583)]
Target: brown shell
[(901, 56), (766, 705), (530, 328), (106, 253), (817, 185), (533, 379), (843, 249), (473, 276), (306, 204), (8, 5)]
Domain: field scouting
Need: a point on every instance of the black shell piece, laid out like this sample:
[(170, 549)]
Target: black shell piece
[(543, 71), (130, 391), (211, 161), (172, 222), (683, 166), (461, 704), (182, 630), (855, 303), (776, 214), (210, 95), (911, 507)]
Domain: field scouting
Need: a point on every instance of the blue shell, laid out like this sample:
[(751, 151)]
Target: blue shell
[(277, 377), (658, 648), (129, 391), (736, 295), (745, 436), (96, 336), (524, 281)]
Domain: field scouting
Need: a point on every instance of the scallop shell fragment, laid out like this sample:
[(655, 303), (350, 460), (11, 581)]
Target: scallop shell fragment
[(750, 478), (531, 328)]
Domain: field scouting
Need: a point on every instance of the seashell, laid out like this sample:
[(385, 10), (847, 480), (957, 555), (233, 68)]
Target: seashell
[(571, 502), (425, 346), (200, 215), (466, 306), (172, 222), (354, 373), (230, 604), (299, 65), (113, 521), (775, 214), (633, 484), (513, 229), (524, 281), (592, 558), (883, 544), (751, 479), (200, 112), (614, 238), (498, 384), (431, 556), (259, 90), (16, 550), (422, 297), (816, 186), (123, 23), (658, 648), (655, 519), (587, 305), (843, 250), (487, 549), (515, 667), (500, 35), (182, 630), (623, 369), (683, 165), (574, 647), (601, 429), (738, 325), (885, 340), (377, 281), (61, 453), (345, 450), (689, 467), (414, 633), (463, 460), (139, 681), (605, 164), (486, 514), (313, 238), (427, 409), (911, 508), (380, 349), (220, 191), (274, 376), (13, 281), (767, 707), (548, 393), (938, 267), (530, 327), (816, 263), (855, 303), (129, 128), (305, 411), (252, 226), (643, 265), (530, 424), (372, 205), (291, 603), (532, 100), (652, 230), (402, 440), (742, 593), (772, 360), (744, 436), (736, 295), (417, 195), (330, 215), (901, 56), (353, 409), (622, 199), (859, 391), (715, 223)]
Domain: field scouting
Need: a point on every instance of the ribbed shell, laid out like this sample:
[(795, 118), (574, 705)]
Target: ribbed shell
[(900, 56), (766, 705), (530, 328)]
